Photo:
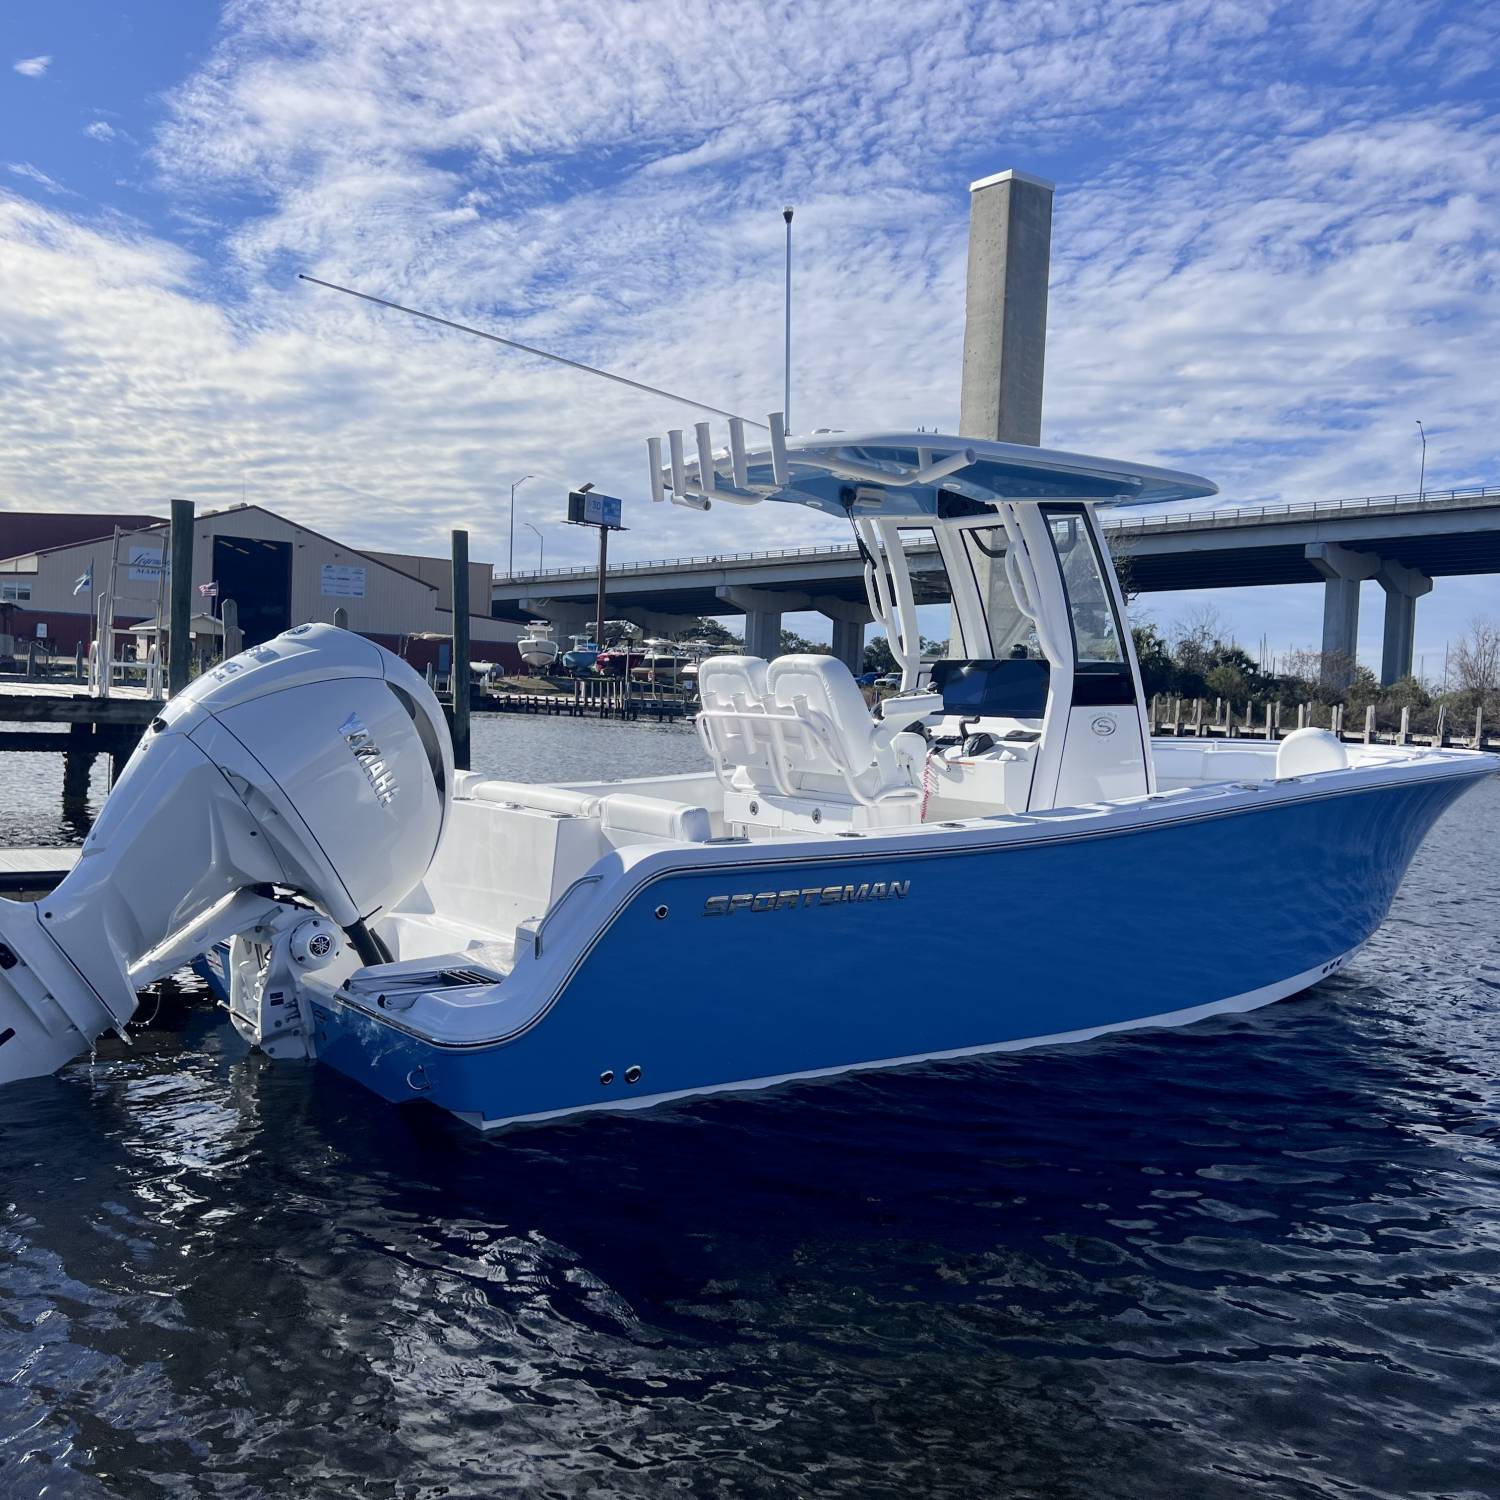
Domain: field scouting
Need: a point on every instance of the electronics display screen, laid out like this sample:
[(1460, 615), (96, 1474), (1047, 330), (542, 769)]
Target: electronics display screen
[(1011, 689)]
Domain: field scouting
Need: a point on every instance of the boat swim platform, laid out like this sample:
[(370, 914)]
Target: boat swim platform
[(28, 873)]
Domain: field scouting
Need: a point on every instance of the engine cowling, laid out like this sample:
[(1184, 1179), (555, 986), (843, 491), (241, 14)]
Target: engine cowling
[(317, 761)]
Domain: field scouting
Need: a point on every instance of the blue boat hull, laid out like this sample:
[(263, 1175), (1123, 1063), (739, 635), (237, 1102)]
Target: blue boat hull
[(948, 951)]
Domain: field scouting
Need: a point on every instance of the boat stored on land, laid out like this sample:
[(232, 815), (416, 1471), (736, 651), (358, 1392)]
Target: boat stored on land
[(537, 648), (1000, 856), (580, 655)]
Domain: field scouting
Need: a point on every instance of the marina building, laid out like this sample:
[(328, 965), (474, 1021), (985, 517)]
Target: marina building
[(277, 571)]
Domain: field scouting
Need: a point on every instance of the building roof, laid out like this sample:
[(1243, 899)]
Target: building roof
[(28, 531)]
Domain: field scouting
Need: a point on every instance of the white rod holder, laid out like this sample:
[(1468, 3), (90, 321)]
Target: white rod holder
[(706, 475), (781, 469), (653, 456), (737, 459), (679, 468)]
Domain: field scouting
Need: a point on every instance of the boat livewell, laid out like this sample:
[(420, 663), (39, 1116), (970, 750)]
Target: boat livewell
[(999, 857)]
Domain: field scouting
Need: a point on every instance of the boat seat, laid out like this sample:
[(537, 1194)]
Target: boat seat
[(655, 817), (733, 721), (795, 746), (831, 737)]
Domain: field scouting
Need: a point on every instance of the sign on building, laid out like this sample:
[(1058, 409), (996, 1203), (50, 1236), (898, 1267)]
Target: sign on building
[(145, 562), (343, 581)]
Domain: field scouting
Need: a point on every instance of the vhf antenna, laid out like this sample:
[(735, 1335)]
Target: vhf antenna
[(495, 338)]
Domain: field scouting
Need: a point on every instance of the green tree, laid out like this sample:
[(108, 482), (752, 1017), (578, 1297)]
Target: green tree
[(793, 644), (1158, 671), (877, 657)]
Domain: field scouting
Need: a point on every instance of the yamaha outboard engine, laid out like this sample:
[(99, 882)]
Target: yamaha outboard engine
[(310, 775)]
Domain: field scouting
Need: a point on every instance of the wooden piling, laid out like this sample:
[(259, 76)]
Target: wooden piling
[(1405, 738), (234, 637), (78, 763), (179, 640), (458, 681)]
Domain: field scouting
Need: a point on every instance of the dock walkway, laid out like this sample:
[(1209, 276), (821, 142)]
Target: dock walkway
[(28, 873)]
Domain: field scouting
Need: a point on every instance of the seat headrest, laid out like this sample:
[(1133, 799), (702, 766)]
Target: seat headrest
[(727, 677), (824, 681)]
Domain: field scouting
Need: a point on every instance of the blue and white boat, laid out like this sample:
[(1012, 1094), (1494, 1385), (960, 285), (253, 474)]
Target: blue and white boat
[(999, 857), (580, 656)]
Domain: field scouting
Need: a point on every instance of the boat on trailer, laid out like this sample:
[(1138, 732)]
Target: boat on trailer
[(998, 856)]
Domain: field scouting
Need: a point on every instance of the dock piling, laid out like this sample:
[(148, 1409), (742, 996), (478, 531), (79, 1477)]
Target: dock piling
[(180, 640), (458, 677)]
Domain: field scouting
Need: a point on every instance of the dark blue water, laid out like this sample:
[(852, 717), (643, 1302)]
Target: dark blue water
[(1260, 1256)]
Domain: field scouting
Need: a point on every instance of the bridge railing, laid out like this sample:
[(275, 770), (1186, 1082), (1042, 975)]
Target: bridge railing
[(1224, 515)]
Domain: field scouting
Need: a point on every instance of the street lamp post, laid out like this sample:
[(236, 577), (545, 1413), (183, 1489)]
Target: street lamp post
[(541, 544), (1422, 482), (511, 566)]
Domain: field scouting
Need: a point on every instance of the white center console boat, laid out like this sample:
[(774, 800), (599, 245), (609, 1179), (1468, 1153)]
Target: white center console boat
[(1000, 857), (537, 648)]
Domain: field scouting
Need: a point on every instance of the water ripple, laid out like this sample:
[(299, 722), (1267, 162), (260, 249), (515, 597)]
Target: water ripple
[(1257, 1256)]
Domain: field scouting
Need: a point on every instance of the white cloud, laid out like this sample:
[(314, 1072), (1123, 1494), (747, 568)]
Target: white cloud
[(36, 175), (32, 67), (100, 130), (1256, 273)]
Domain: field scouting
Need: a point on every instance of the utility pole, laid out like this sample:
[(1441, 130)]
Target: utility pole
[(586, 507), (1422, 482), (599, 595)]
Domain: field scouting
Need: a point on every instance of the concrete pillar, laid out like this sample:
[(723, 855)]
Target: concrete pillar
[(654, 622), (1403, 587), (1005, 311), (762, 609), (849, 644), (1345, 571), (566, 619), (1005, 330), (848, 619)]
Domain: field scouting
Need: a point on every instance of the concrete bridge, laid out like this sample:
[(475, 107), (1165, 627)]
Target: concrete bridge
[(1403, 542)]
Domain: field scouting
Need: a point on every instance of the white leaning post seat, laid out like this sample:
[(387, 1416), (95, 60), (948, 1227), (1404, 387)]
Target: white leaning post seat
[(733, 722), (830, 736)]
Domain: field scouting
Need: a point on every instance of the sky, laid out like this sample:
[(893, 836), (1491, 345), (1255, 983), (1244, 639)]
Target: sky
[(1276, 245)]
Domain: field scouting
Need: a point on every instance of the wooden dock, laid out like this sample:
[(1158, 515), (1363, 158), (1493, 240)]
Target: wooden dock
[(87, 726), (1190, 719), (590, 699), (26, 874)]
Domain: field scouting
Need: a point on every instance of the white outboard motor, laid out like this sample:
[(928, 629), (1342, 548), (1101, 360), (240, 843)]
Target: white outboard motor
[(319, 763)]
